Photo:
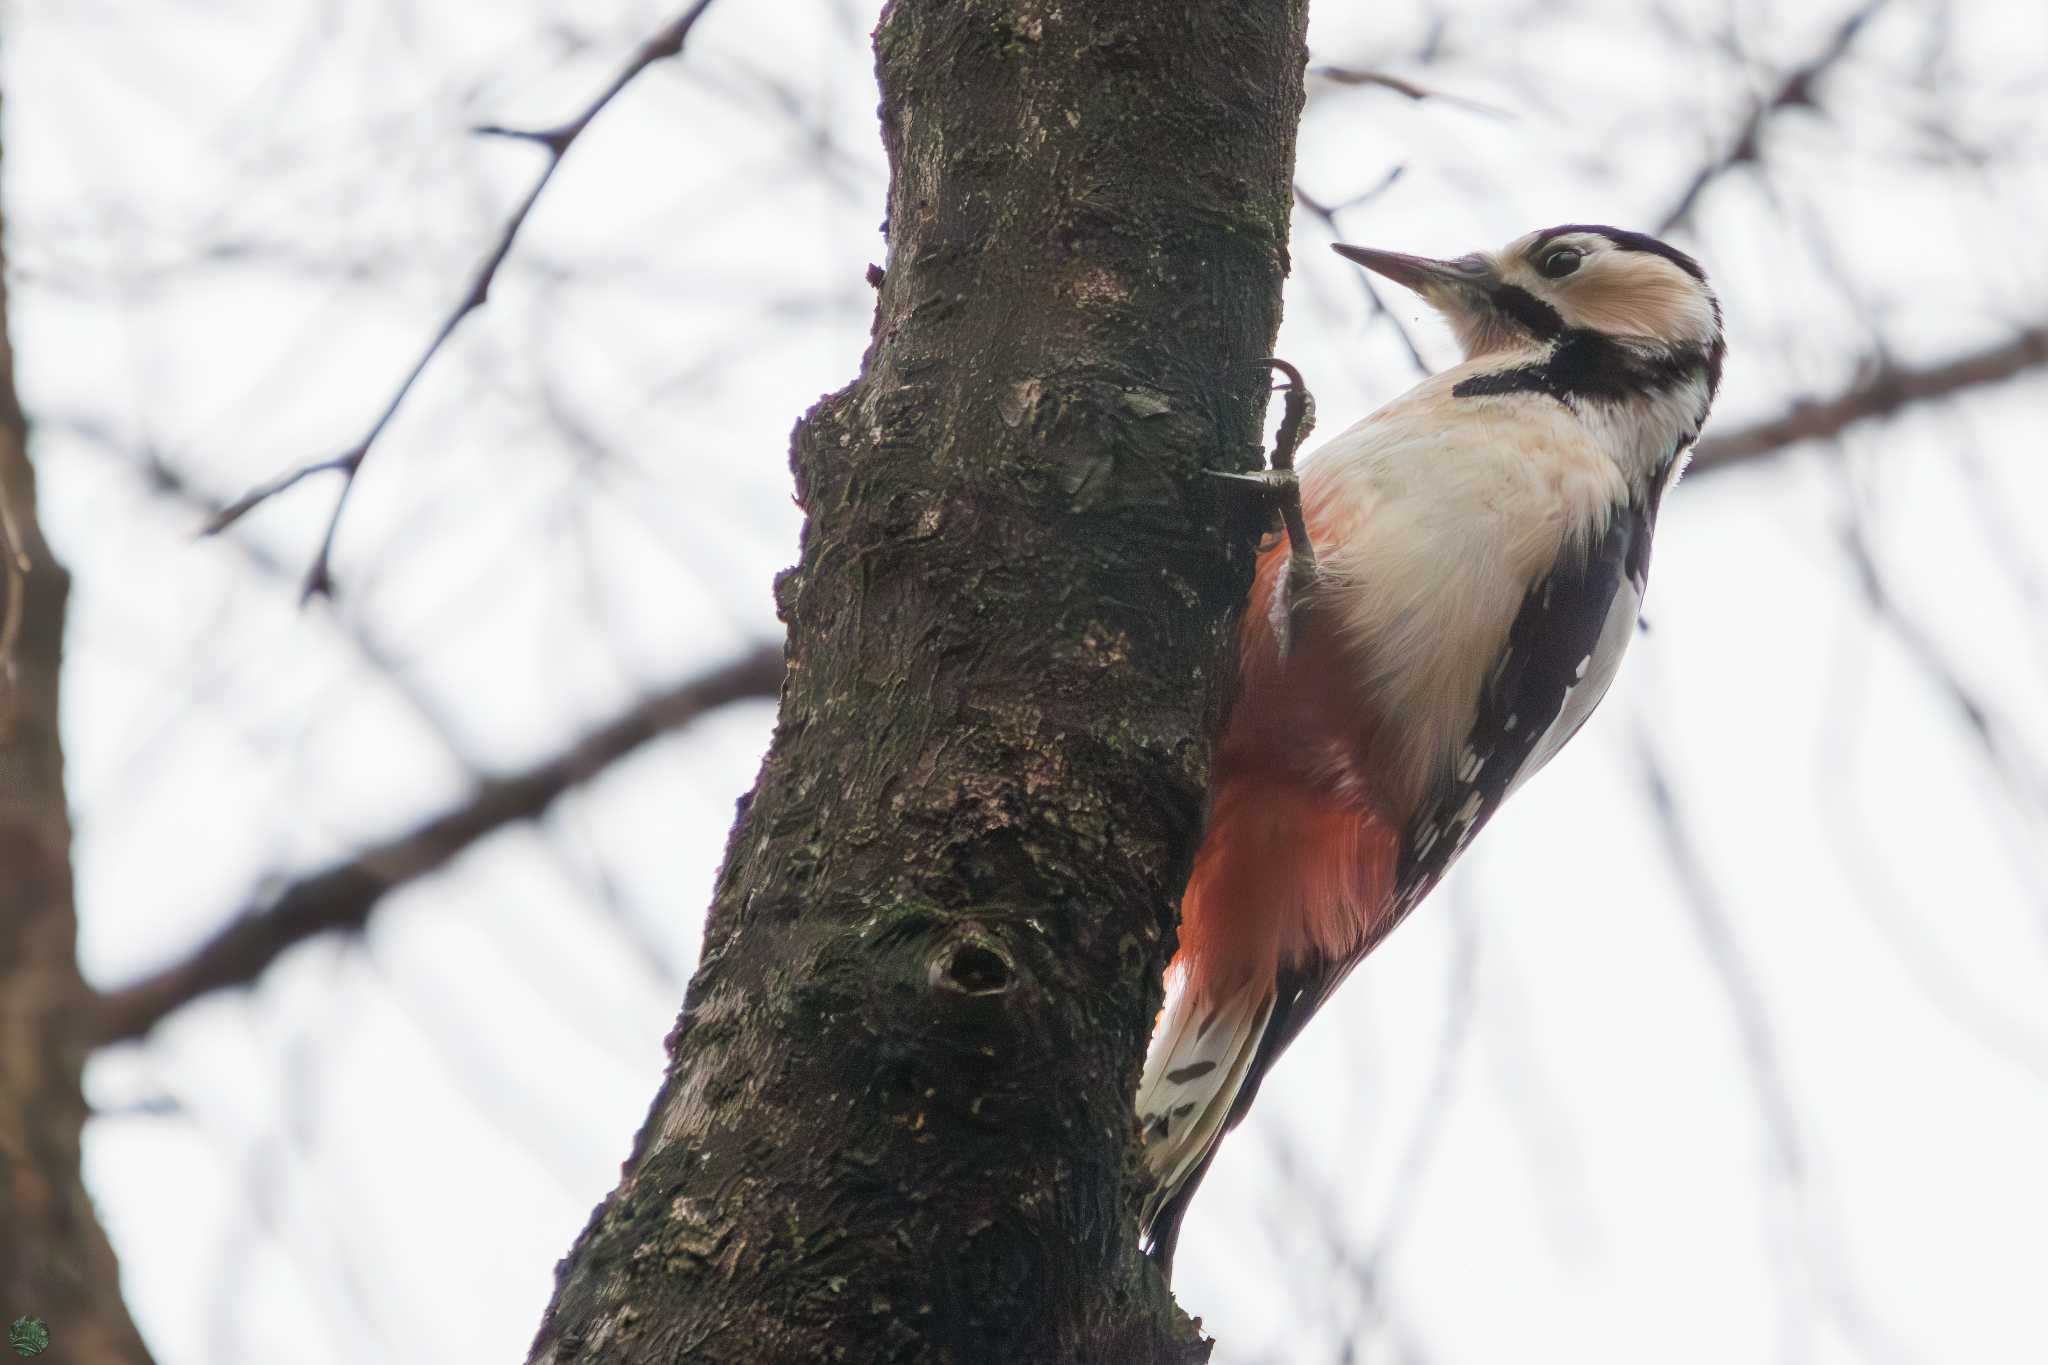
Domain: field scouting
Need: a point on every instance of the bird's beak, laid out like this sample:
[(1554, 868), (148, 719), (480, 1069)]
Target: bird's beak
[(1484, 313), (1432, 279)]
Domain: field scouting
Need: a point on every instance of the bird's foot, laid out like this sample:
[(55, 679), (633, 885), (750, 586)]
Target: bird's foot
[(1271, 482), (1297, 419), (1279, 488), (1297, 413)]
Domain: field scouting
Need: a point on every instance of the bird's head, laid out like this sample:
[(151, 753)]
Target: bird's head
[(1577, 278)]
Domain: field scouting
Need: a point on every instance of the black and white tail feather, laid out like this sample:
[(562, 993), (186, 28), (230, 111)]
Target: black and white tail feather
[(1199, 1059), (1201, 1076)]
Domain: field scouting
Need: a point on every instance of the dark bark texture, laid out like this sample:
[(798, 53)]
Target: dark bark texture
[(896, 1124), (55, 1263)]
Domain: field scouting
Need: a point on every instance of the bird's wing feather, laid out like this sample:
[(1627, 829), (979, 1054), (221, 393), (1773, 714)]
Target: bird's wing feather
[(1561, 653)]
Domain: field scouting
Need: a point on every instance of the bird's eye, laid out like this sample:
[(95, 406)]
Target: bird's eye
[(1561, 263)]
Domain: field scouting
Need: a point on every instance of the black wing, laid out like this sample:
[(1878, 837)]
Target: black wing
[(1567, 639)]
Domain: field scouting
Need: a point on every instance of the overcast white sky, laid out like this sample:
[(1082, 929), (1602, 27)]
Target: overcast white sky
[(1569, 1113)]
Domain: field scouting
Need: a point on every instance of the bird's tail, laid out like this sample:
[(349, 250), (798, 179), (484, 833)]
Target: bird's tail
[(1201, 1052)]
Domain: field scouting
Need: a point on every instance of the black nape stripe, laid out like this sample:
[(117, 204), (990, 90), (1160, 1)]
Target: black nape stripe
[(1528, 310), (1588, 364), (1624, 240)]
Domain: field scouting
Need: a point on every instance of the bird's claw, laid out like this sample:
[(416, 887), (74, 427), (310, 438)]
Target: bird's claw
[(1281, 486), (1297, 414), (1276, 481)]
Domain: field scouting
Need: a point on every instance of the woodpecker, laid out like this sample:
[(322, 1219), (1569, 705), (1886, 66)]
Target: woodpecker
[(1461, 576)]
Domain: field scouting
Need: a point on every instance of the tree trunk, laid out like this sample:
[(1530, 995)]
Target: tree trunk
[(897, 1122), (55, 1264)]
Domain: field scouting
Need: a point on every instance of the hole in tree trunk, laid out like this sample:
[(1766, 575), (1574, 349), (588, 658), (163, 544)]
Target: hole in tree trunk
[(974, 969)]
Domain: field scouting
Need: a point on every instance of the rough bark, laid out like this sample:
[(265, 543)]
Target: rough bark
[(896, 1124), (55, 1263)]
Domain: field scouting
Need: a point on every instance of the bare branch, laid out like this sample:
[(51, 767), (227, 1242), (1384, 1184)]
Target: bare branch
[(1796, 89), (2001, 748), (557, 140), (1888, 390), (1803, 1222), (1864, 856), (1348, 75), (345, 463), (168, 481), (1326, 214), (342, 896)]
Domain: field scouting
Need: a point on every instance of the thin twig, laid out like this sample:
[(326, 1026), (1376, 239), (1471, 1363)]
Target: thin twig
[(342, 896), (2001, 749), (1400, 85), (1327, 214), (1864, 856), (557, 140), (1808, 1222), (166, 480), (1886, 391), (1425, 1139), (1796, 89)]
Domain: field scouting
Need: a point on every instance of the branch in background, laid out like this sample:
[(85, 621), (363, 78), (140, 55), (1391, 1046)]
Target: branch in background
[(167, 481), (557, 141), (1865, 857), (1366, 1269), (1795, 90), (2003, 752), (343, 895), (1803, 1225), (1347, 75), (1884, 393), (1326, 214)]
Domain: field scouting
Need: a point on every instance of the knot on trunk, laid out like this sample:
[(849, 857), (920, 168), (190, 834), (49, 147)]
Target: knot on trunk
[(972, 964)]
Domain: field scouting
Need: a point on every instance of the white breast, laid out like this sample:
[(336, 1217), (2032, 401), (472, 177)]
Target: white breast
[(1440, 514)]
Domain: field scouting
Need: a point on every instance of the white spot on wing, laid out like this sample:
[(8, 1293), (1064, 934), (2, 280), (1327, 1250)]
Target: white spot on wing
[(1595, 673)]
